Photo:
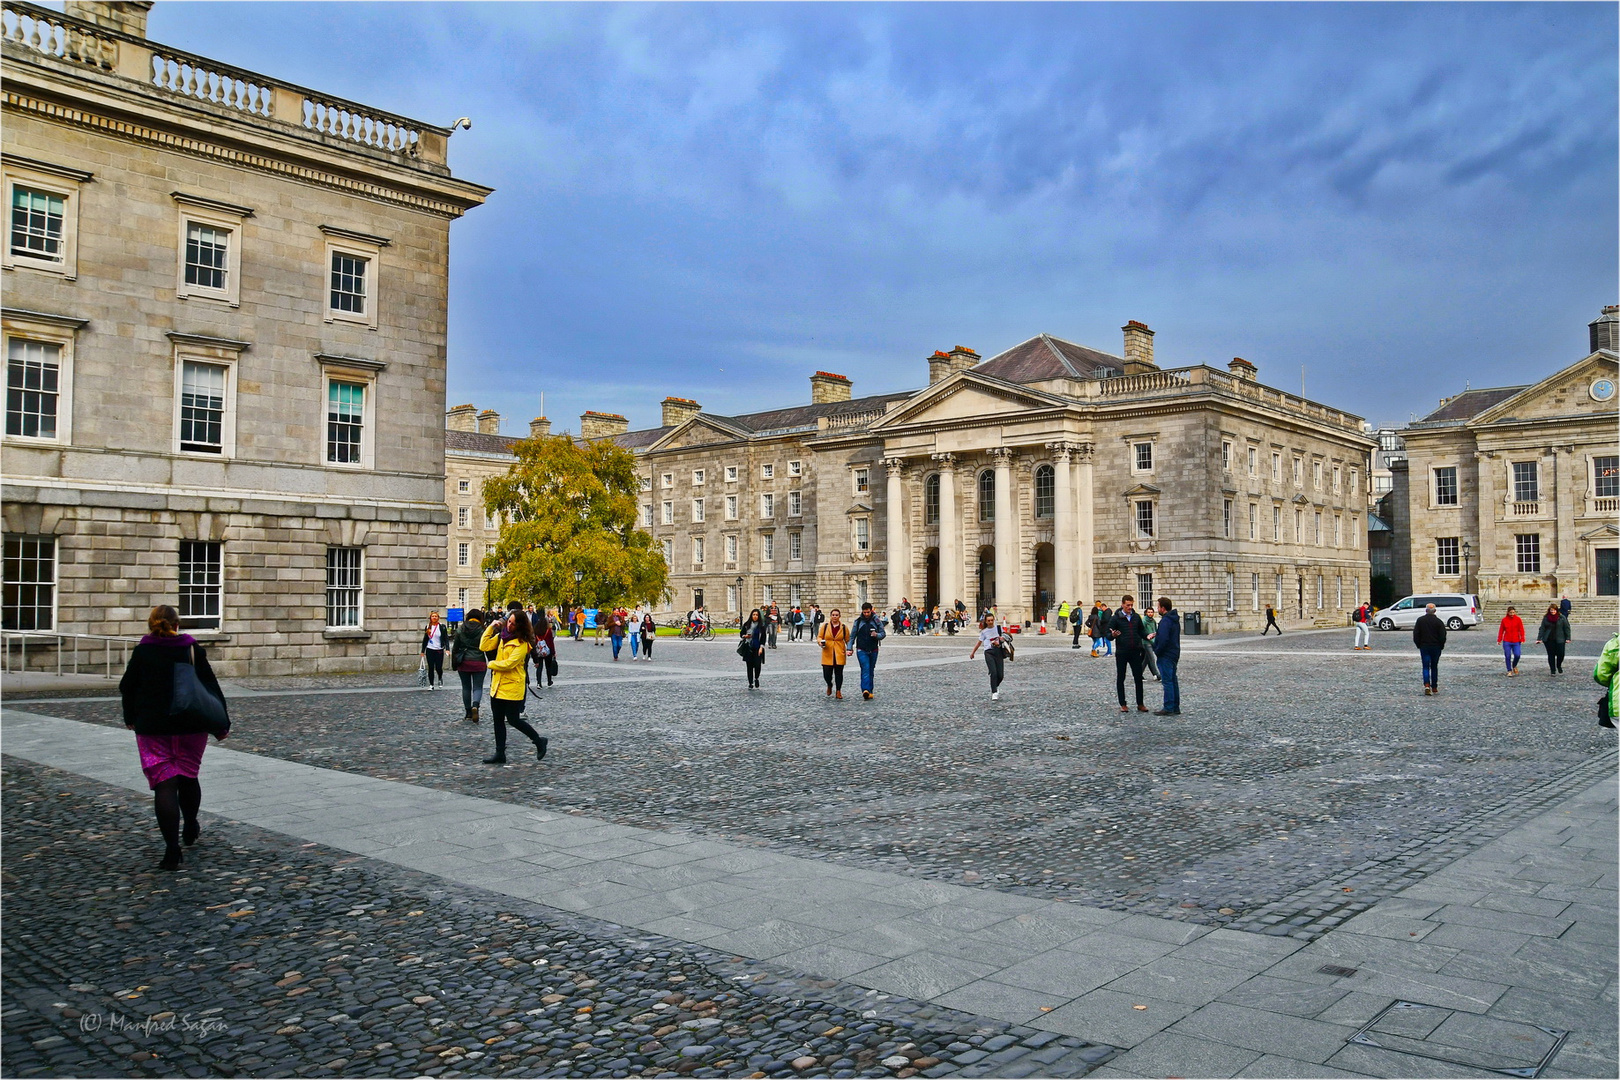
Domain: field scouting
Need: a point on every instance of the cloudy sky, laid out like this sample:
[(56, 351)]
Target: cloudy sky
[(714, 201)]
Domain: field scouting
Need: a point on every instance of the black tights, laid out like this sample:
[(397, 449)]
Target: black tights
[(175, 798), (754, 664), (834, 675), (505, 712)]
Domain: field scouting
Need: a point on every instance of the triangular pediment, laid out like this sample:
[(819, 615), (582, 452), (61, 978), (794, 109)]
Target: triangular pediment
[(1141, 489), (859, 508), (967, 394), (1603, 532), (1569, 392), (700, 430)]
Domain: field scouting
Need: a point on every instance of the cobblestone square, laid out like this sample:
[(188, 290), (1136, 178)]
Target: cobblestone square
[(928, 870)]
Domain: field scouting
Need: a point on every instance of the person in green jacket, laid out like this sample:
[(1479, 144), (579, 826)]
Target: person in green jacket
[(1063, 616), (1604, 674)]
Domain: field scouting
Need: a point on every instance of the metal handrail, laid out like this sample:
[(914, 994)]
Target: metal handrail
[(49, 639)]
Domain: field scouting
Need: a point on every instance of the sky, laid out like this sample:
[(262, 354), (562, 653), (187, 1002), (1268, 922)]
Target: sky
[(714, 201)]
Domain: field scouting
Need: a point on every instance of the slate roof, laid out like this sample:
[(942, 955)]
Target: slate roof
[(1046, 357), (796, 416), (1471, 403), (478, 443)]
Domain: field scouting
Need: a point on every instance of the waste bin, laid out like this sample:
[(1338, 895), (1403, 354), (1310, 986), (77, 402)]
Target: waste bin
[(1195, 623)]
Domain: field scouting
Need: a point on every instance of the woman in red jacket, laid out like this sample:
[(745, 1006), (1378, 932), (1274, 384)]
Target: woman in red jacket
[(1511, 635)]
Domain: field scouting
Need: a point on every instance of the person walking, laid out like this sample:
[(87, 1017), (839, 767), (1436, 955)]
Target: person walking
[(434, 640), (1510, 635), (632, 629), (816, 621), (995, 654), (1564, 606), (1063, 617), (1362, 618), (649, 634), (1604, 675), (773, 619), (1125, 628), (1149, 657), (615, 630), (1167, 646), (1105, 616), (834, 639), (1271, 622), (171, 747), (1553, 633), (867, 633), (1429, 635), (545, 649), (469, 662), (512, 640), (752, 646)]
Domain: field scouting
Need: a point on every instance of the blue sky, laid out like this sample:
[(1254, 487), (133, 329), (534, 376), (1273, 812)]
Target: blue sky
[(713, 201)]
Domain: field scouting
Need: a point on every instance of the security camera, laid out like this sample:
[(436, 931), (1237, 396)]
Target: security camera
[(462, 122)]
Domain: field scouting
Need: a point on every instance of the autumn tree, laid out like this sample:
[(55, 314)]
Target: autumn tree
[(569, 508)]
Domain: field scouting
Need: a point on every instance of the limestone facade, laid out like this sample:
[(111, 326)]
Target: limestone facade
[(474, 451), (1513, 492), (1049, 472), (225, 311)]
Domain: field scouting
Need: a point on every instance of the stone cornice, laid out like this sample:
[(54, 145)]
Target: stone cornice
[(24, 315), (47, 167), (211, 204)]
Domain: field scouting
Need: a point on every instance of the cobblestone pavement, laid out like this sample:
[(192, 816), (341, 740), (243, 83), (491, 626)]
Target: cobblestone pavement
[(1302, 783), (268, 957)]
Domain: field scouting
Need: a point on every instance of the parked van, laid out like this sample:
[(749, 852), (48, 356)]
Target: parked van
[(1456, 610)]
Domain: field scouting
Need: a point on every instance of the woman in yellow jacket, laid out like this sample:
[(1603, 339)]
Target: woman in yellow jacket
[(513, 636), (834, 638)]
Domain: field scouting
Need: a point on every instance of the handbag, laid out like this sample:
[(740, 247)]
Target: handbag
[(1604, 719), (192, 702), (745, 648), (421, 672)]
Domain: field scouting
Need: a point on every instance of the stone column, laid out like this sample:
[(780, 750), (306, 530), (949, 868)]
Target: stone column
[(899, 554), (1085, 525), (1009, 575), (950, 534), (1063, 533)]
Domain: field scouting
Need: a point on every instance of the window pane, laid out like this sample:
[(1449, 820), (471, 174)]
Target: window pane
[(1445, 487), (36, 224), (931, 500), (33, 378), (1525, 488), (345, 412), (1045, 491), (30, 583), (202, 407), (201, 584), (348, 283), (987, 495), (1144, 519), (1527, 549), (1606, 479), (1447, 561), (206, 248), (342, 586)]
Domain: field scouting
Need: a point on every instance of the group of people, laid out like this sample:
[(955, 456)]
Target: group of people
[(636, 625), (1552, 634), (837, 640)]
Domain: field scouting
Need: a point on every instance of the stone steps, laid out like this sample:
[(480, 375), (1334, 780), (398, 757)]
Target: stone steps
[(1583, 609)]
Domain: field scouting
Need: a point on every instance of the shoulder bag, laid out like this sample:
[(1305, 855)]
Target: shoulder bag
[(191, 700)]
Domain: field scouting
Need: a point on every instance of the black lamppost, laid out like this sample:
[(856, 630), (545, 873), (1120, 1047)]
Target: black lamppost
[(579, 576), (1467, 554), (740, 603), (489, 581)]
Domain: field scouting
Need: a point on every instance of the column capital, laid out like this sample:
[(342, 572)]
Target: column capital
[(1061, 450), (1084, 452), (1003, 455), (946, 461), (895, 465)]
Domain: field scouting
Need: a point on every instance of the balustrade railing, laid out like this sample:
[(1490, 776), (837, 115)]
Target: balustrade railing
[(193, 77), (1524, 509), (1606, 505), (1146, 382), (860, 419), (345, 120), (53, 34)]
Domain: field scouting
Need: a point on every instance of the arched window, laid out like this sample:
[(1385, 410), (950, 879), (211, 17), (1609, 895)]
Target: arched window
[(1045, 491), (931, 500), (987, 495)]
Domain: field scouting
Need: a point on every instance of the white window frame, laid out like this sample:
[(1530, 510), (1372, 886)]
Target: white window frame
[(492, 522), (667, 481), (54, 180), (669, 552), (767, 595), (463, 487), (767, 505), (698, 476), (53, 584), (1226, 518), (767, 547), (1137, 446), (667, 510), (461, 598), (1338, 530), (359, 590), (731, 548), (731, 508), (1226, 455), (1276, 525), (463, 553), (222, 356), (177, 552), (795, 507), (796, 545), (697, 551), (646, 482), (1299, 473), (463, 517), (1316, 475), (359, 246), (697, 511), (795, 468), (1338, 479), (1317, 523), (861, 533), (795, 593), (61, 334), (1434, 486), (646, 515), (1136, 519), (335, 370), (1231, 592), (731, 598), (1254, 461), (1254, 521), (1519, 550), (861, 480), (767, 472), (1355, 532), (731, 478), (214, 215)]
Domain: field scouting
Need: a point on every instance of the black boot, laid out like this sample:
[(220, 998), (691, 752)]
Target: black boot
[(497, 759), (171, 859), (540, 745), (190, 831), (472, 714)]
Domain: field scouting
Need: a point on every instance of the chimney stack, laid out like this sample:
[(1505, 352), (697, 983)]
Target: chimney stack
[(678, 410), (1138, 348), (489, 422), (1605, 329), (1242, 368), (127, 16), (539, 427), (826, 387), (462, 418), (945, 364), (601, 425)]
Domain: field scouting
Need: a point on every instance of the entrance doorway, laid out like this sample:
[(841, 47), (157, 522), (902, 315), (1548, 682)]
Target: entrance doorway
[(1045, 580), (1302, 597), (1608, 571), (931, 597), (986, 579)]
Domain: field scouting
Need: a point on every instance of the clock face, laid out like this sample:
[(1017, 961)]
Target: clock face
[(1602, 389)]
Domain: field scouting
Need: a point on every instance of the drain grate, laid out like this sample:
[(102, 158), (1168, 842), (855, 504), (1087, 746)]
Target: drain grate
[(1335, 969), (1460, 1038)]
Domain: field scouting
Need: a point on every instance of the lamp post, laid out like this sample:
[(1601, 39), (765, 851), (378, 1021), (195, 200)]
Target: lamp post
[(1467, 553), (740, 603), (489, 581)]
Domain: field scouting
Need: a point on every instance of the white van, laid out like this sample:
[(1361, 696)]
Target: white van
[(1456, 610)]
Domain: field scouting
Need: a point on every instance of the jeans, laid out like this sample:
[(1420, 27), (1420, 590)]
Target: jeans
[(1152, 661), (472, 688), (1510, 654), (1431, 667), (1363, 634), (1133, 661), (617, 640), (635, 642), (435, 664), (1172, 689), (996, 661), (868, 662)]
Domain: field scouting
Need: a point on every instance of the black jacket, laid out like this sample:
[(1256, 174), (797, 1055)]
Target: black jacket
[(148, 688), (1429, 632), (866, 632), (1132, 632), (464, 644)]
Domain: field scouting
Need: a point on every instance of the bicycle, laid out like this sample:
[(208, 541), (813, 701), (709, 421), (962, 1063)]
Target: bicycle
[(697, 632)]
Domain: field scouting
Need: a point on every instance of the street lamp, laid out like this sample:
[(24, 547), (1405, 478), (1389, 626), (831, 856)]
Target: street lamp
[(740, 604), (1467, 553), (489, 580)]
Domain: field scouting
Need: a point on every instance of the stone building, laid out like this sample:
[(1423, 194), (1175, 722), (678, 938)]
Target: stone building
[(474, 451), (1513, 491), (1050, 471), (225, 307)]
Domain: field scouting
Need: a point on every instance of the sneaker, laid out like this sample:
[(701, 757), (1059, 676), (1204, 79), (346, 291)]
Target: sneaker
[(995, 695)]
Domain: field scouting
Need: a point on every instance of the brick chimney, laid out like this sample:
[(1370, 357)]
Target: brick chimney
[(945, 364), (678, 410), (127, 16), (602, 425), (462, 418), (1138, 348), (1605, 329), (539, 427), (489, 422), (826, 387), (1242, 368)]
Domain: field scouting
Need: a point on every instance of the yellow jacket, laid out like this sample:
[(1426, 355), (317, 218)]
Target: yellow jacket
[(508, 680), (835, 644)]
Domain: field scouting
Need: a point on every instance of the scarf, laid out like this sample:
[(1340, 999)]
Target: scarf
[(169, 639)]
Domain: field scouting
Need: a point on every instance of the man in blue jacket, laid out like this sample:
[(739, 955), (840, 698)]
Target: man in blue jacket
[(866, 633), (1167, 647)]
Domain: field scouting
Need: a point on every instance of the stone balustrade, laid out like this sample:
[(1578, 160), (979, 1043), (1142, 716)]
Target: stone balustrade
[(31, 28)]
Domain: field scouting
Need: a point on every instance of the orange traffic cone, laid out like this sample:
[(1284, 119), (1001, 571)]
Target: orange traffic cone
[(1043, 624)]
